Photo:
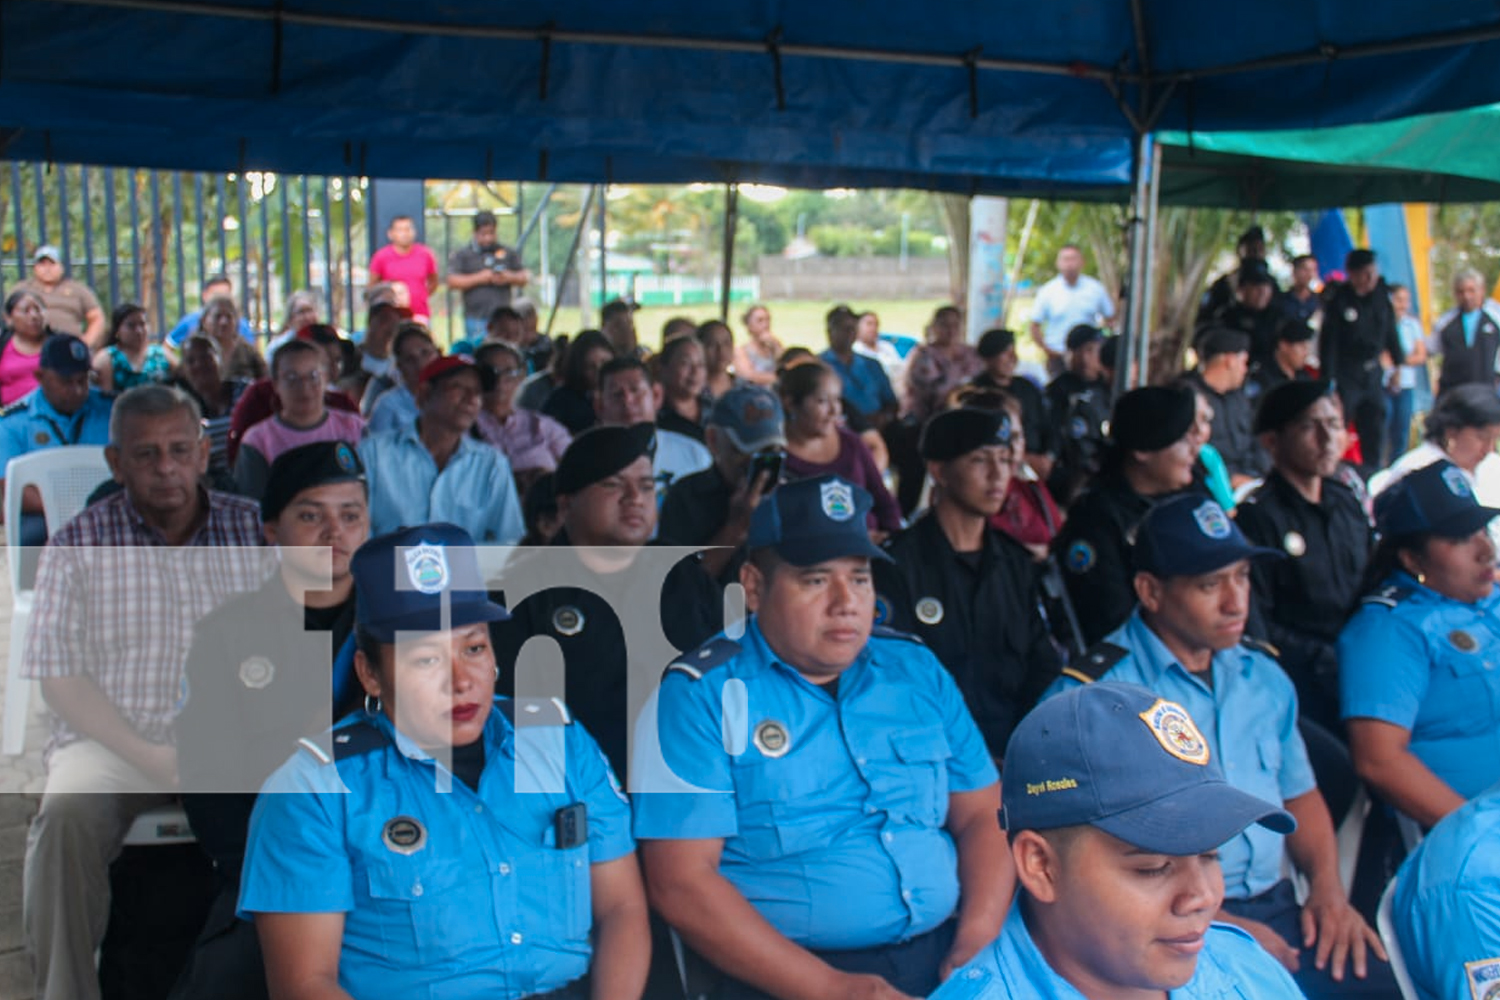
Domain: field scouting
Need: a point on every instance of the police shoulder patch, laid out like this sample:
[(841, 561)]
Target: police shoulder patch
[(19, 406), (884, 632), (1484, 978), (1388, 596), (1260, 646), (707, 656), (358, 738), (535, 711), (1095, 662)]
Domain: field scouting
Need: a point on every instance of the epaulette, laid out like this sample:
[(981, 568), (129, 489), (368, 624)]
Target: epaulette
[(1260, 646), (1389, 596), (535, 711), (886, 632), (357, 739), (1095, 662), (705, 657), (19, 406)]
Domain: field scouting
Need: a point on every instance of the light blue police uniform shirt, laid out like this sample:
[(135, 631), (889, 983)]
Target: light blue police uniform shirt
[(32, 424), (1248, 716), (1231, 966), (475, 491), (866, 386), (1446, 904), (394, 409), (831, 809), (1431, 665), (188, 325), (486, 905)]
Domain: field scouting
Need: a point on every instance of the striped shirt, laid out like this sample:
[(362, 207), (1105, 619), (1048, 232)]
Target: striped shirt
[(116, 604)]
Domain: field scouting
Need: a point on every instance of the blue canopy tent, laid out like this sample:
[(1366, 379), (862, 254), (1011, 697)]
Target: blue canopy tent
[(987, 96)]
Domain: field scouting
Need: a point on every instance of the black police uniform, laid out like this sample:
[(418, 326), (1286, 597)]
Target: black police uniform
[(1268, 375), (1233, 417), (1464, 364), (695, 509), (1094, 550), (978, 612), (1356, 329), (592, 640), (1036, 415), (1301, 602), (1220, 296), (1079, 411), (1259, 324), (252, 692)]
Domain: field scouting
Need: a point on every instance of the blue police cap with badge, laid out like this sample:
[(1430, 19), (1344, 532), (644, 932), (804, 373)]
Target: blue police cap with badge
[(1436, 499), (402, 581), (65, 354), (1190, 535), (1118, 758), (810, 521)]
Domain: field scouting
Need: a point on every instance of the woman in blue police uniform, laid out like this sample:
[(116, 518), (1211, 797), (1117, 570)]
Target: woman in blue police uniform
[(482, 850), (1420, 658)]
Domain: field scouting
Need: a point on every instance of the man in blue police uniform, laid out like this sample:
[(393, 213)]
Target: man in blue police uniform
[(964, 588), (830, 826), (1446, 905), (257, 681), (1115, 807), (482, 848), (1185, 642), (62, 410)]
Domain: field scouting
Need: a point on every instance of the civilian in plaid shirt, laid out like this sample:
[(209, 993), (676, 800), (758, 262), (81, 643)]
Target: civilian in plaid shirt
[(120, 588)]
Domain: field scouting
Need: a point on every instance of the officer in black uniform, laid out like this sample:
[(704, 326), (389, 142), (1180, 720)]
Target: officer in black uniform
[(254, 684), (1079, 401), (1251, 247), (1253, 311), (607, 501), (1301, 601), (1358, 325), (965, 588), (1288, 362), (1223, 363), (997, 348), (1150, 454)]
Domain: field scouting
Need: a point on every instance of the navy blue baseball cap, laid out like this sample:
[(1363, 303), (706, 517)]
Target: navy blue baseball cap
[(1118, 758), (65, 354), (402, 580), (810, 521), (1188, 535), (1435, 499)]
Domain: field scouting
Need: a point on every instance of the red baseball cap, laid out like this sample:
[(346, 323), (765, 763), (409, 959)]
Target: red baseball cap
[(442, 367)]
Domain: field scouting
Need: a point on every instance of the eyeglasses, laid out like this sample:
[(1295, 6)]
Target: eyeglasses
[(294, 381), (508, 373)]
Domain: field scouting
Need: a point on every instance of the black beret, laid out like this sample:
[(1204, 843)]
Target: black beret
[(1083, 334), (1255, 272), (1152, 418), (1356, 259), (995, 343), (1294, 331), (599, 453), (318, 464), (1287, 401), (958, 432), (1217, 340), (1255, 233)]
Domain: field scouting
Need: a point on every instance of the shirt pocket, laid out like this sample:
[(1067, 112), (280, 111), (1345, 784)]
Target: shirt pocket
[(1462, 697), (782, 806), (562, 889), (916, 788), (1268, 752), (431, 909)]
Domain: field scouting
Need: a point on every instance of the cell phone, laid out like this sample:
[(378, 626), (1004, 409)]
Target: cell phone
[(769, 463), (571, 824)]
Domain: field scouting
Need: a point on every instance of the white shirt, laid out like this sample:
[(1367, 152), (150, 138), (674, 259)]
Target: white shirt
[(1485, 479), (1060, 306)]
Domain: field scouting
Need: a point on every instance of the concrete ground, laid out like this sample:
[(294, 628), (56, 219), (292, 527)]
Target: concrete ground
[(20, 791)]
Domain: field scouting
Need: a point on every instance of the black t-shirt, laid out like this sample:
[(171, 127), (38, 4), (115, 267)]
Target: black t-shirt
[(468, 763), (482, 300)]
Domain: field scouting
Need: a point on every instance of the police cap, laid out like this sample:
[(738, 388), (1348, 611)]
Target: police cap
[(953, 433), (1190, 535), (810, 521), (422, 579), (599, 453), (311, 465), (1435, 499)]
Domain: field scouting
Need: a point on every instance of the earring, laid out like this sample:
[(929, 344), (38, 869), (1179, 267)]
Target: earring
[(372, 704), (1422, 579), (497, 673)]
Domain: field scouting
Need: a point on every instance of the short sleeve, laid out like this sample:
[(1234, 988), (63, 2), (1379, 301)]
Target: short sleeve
[(971, 766), (508, 527), (1383, 667), (1106, 304), (1039, 312), (90, 300), (681, 773), (12, 439), (1296, 776), (608, 809), (1449, 933), (295, 860), (55, 634)]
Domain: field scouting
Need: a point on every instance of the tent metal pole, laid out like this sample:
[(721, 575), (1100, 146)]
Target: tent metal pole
[(603, 190), (1148, 278), (570, 262), (731, 220), (1135, 315)]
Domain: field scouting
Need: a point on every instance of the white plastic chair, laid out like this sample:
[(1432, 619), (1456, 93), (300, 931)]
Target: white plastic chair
[(1387, 931), (162, 825), (64, 477)]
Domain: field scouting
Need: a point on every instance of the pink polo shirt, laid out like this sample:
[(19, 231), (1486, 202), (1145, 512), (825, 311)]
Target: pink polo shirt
[(411, 269)]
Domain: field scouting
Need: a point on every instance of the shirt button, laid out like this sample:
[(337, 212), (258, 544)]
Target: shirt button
[(504, 868), (515, 939), (869, 810), (889, 837), (973, 974), (416, 890), (906, 895), (861, 762), (479, 809)]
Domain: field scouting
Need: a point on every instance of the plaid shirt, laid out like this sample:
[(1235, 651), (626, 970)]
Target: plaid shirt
[(115, 603)]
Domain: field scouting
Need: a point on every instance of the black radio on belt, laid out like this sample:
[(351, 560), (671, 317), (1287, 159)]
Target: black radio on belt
[(571, 824)]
